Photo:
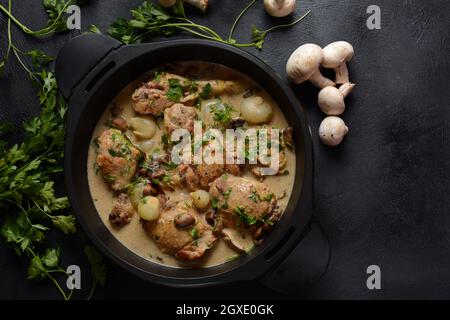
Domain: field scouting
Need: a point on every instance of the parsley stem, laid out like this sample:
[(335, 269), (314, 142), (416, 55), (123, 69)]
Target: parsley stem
[(204, 28), (91, 293), (9, 33), (15, 50), (282, 26), (230, 37), (38, 33), (186, 27), (58, 287), (55, 282)]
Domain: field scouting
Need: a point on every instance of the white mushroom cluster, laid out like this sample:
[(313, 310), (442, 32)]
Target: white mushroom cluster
[(304, 65)]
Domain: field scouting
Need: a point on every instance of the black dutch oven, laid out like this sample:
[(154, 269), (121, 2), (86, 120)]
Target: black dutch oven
[(91, 69)]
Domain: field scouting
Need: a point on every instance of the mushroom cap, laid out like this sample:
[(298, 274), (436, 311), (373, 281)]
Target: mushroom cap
[(332, 131), (331, 101), (304, 62), (279, 8), (337, 53)]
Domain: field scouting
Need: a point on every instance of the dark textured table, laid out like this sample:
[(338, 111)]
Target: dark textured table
[(382, 196)]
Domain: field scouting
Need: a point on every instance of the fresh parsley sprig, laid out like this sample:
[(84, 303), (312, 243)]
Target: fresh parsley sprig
[(55, 9), (28, 201), (151, 20)]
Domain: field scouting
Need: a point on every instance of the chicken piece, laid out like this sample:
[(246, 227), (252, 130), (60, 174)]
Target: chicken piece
[(181, 230), (117, 158), (287, 137), (179, 116), (198, 248), (241, 201), (119, 123), (233, 169), (240, 239), (122, 211), (201, 176), (220, 87), (207, 173), (188, 177), (282, 163), (151, 99)]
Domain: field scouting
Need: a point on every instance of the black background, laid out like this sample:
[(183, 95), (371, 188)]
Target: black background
[(382, 196)]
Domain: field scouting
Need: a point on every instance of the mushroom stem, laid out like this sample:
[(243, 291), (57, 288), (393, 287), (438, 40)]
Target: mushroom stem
[(200, 4), (320, 81), (342, 74), (346, 88)]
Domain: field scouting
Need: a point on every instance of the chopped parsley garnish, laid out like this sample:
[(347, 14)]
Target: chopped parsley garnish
[(226, 194), (243, 216), (191, 86), (206, 92), (109, 178), (165, 139), (254, 196), (175, 92), (222, 113), (170, 166), (158, 75), (268, 197), (214, 203), (96, 143), (194, 233)]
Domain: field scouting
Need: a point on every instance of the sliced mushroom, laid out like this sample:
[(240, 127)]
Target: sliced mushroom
[(184, 220), (241, 240), (304, 64), (336, 56)]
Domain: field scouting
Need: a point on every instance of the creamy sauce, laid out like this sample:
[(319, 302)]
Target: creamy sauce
[(133, 235)]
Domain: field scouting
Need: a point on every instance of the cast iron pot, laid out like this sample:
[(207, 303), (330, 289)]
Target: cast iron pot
[(92, 69)]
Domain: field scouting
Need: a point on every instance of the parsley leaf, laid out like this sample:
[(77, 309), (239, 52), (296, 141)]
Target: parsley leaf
[(175, 92), (97, 263), (67, 224), (243, 216), (206, 92), (222, 113), (194, 233)]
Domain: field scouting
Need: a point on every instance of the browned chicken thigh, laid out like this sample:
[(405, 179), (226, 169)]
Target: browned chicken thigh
[(241, 201), (117, 159), (181, 230), (179, 116)]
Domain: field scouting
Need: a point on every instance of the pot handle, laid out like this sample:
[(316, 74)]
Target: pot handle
[(79, 56), (305, 265)]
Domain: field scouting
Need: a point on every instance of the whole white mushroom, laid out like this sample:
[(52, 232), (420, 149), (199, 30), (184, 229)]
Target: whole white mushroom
[(336, 56), (332, 131), (279, 8), (331, 99), (304, 64)]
